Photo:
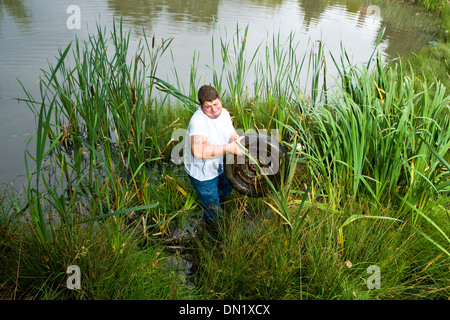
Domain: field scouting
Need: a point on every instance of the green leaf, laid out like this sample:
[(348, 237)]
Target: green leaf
[(356, 217), (115, 213)]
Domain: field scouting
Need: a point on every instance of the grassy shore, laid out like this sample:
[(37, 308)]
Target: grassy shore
[(102, 193)]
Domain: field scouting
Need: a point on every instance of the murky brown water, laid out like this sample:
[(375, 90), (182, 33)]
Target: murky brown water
[(32, 30)]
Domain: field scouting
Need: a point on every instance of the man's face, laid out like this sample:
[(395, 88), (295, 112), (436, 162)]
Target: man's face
[(212, 109)]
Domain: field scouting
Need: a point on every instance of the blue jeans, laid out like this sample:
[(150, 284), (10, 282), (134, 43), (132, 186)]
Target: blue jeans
[(211, 194)]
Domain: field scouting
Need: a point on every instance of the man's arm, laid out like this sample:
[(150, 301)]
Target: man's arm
[(202, 150)]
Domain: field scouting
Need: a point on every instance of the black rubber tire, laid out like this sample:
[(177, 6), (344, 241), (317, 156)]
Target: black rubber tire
[(244, 175)]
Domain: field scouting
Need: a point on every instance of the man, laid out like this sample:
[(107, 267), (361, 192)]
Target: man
[(209, 136)]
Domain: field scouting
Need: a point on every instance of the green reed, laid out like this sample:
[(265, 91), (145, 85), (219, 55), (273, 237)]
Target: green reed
[(99, 131), (384, 128)]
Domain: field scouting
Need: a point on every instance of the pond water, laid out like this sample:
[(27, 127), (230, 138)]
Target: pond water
[(31, 31)]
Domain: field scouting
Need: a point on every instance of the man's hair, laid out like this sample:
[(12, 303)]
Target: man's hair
[(207, 93)]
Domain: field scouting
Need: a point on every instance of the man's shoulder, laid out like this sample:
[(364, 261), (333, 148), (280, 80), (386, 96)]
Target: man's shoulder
[(198, 115), (225, 112), (225, 115), (197, 123)]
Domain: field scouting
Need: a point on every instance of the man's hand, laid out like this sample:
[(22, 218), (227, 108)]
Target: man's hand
[(234, 147), (234, 136)]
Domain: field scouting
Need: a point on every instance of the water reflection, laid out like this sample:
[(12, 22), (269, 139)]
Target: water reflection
[(312, 11), (16, 9), (265, 3), (354, 6), (408, 28), (144, 12), (404, 29)]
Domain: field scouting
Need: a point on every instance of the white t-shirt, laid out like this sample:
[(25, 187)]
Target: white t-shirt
[(218, 132)]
